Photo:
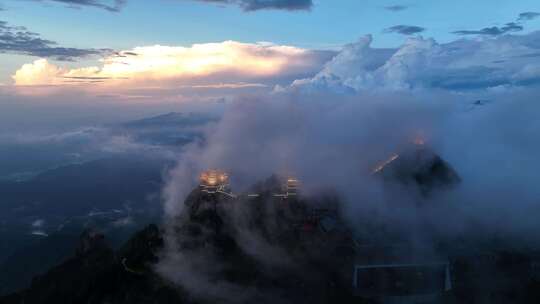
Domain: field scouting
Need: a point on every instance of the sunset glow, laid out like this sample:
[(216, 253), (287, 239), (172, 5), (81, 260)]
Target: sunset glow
[(156, 63)]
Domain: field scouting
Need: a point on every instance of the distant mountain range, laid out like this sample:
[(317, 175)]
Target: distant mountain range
[(172, 129), (172, 119)]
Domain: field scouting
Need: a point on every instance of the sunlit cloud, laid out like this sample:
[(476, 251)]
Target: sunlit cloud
[(228, 64)]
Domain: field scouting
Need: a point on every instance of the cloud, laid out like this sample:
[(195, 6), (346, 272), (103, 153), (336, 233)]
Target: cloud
[(420, 63), (332, 141), (528, 16), (509, 27), (405, 29), (396, 8), (255, 5), (197, 65), (19, 40), (112, 5), (494, 30)]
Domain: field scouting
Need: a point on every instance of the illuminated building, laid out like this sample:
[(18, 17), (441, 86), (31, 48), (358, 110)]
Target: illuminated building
[(214, 181)]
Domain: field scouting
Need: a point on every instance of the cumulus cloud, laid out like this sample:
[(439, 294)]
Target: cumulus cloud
[(254, 5), (109, 5), (333, 140), (200, 64), (405, 29), (480, 64), (308, 129), (19, 40)]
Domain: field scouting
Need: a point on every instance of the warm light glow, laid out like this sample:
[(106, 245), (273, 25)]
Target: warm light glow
[(166, 62), (292, 182), (40, 72), (213, 178)]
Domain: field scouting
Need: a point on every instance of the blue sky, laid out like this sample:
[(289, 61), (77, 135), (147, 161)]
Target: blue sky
[(328, 24)]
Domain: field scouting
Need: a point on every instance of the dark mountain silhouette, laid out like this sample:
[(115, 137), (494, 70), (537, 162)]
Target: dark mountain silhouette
[(172, 129), (172, 119), (420, 167), (17, 271), (96, 274), (118, 195), (275, 249), (209, 228)]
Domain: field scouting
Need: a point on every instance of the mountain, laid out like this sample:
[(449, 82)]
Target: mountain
[(117, 195), (172, 119), (97, 274), (421, 168), (263, 246), (208, 228), (172, 129), (17, 271)]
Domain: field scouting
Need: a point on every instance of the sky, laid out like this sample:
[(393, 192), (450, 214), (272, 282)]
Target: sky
[(80, 54)]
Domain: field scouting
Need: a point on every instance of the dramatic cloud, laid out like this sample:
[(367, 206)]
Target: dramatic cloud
[(110, 5), (405, 29), (396, 8), (493, 31), (528, 16), (19, 40), (254, 5), (333, 141), (490, 63), (200, 64)]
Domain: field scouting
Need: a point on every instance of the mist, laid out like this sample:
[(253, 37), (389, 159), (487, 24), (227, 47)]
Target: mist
[(332, 142)]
